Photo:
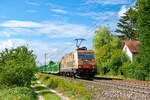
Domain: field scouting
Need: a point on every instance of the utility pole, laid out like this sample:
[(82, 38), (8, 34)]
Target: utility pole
[(45, 58)]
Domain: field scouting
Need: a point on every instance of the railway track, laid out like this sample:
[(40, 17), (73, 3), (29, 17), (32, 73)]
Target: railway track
[(132, 87), (129, 90), (137, 88)]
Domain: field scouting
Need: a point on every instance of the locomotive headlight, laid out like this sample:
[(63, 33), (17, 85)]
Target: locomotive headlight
[(80, 66)]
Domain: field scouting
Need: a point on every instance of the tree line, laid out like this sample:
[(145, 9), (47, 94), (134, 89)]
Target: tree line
[(133, 25)]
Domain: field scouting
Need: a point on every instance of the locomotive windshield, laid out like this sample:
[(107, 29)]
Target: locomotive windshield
[(85, 55)]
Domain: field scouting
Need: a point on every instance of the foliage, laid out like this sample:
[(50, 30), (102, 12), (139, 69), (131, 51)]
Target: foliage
[(51, 62), (133, 70), (18, 93), (17, 67), (127, 25), (105, 44), (117, 60), (103, 36), (101, 46), (134, 25), (116, 43), (144, 30), (101, 56)]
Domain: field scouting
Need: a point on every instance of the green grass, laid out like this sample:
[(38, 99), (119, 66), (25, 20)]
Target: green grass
[(115, 77), (110, 76), (47, 95)]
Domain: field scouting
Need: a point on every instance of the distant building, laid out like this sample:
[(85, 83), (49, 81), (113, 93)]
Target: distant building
[(131, 48)]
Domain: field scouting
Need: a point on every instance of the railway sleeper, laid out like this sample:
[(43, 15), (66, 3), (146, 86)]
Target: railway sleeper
[(127, 87), (132, 86)]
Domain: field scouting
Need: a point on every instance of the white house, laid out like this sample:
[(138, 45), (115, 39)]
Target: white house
[(131, 48)]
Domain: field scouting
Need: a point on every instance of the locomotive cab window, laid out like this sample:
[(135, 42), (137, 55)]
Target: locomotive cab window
[(85, 55)]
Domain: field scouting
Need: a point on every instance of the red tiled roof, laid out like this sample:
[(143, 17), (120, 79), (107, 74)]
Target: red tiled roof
[(132, 45)]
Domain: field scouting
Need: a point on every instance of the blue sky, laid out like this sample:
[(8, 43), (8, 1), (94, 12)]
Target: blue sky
[(50, 26)]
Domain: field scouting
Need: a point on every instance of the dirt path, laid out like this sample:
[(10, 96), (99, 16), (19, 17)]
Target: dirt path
[(40, 97), (51, 90)]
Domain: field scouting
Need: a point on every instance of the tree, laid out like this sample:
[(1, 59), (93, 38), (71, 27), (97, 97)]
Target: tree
[(51, 62), (100, 44), (105, 45), (17, 67), (127, 25), (144, 30), (103, 55), (102, 37), (116, 43)]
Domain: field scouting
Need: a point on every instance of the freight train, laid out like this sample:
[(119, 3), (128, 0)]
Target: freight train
[(80, 62)]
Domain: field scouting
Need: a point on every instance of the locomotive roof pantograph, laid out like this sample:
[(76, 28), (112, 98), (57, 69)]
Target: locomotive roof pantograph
[(78, 42)]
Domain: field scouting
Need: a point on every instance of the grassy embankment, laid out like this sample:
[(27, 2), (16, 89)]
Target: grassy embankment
[(74, 91), (47, 95)]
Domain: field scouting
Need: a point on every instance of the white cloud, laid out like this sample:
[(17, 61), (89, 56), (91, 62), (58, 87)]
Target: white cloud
[(122, 11), (103, 19), (3, 17), (50, 29), (53, 50), (31, 11), (59, 11), (6, 44), (65, 30), (106, 2), (11, 43), (32, 3), (100, 15), (15, 23), (8, 32), (52, 5)]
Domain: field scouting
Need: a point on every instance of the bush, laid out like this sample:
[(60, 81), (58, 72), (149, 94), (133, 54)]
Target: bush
[(18, 93), (127, 70), (17, 67), (134, 70), (117, 60)]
